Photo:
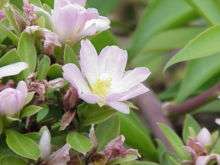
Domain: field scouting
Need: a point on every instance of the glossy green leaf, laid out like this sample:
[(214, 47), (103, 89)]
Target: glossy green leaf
[(172, 39), (27, 52), (12, 160), (210, 9), (175, 142), (197, 74), (79, 142), (9, 34), (155, 19), (190, 128), (42, 114), (205, 44), (93, 114), (22, 145), (30, 110), (55, 71), (29, 97), (43, 68), (111, 127), (9, 58), (69, 55), (137, 136)]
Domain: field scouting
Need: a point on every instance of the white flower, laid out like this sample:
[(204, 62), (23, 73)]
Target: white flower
[(103, 79)]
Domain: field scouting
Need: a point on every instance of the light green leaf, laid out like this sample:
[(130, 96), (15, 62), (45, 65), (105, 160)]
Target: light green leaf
[(212, 107), (205, 44), (190, 126), (30, 110), (79, 142), (55, 71), (175, 142), (137, 136), (9, 58), (43, 68), (22, 145), (69, 55), (93, 114), (9, 34), (27, 52), (12, 160), (111, 127), (172, 39), (155, 20), (29, 97), (42, 114), (139, 163), (210, 9), (197, 74)]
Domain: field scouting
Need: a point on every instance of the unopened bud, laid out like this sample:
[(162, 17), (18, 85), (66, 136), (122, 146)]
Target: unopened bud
[(70, 99)]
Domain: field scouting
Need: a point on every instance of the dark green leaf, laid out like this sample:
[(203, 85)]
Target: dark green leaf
[(43, 68), (12, 160), (55, 71), (69, 55)]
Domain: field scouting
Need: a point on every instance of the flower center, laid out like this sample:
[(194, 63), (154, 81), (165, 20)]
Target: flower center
[(101, 87)]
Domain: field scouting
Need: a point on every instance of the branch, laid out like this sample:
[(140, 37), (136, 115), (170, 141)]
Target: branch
[(193, 103), (151, 112)]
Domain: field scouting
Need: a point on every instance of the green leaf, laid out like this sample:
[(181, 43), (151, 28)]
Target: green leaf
[(69, 55), (137, 136), (104, 8), (210, 9), (29, 97), (9, 58), (175, 142), (205, 44), (216, 147), (43, 68), (30, 110), (172, 39), (27, 52), (111, 127), (22, 145), (55, 71), (42, 114), (12, 160), (93, 114), (190, 126), (139, 163), (79, 142), (154, 21), (212, 107), (9, 34), (197, 74)]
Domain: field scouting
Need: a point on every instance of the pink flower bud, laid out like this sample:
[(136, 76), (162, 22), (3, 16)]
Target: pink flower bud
[(2, 15), (12, 100), (204, 137)]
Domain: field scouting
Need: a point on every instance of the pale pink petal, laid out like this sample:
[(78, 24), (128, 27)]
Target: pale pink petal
[(62, 3), (135, 91), (120, 106), (94, 26), (72, 74), (89, 61), (112, 61), (22, 87), (133, 78), (204, 137), (89, 98), (12, 69), (45, 143)]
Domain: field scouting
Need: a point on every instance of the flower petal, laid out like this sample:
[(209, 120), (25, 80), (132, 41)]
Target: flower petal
[(112, 61), (89, 98), (45, 143), (89, 61), (62, 3), (120, 106), (2, 15), (22, 87), (72, 74), (94, 26), (204, 160), (132, 78), (204, 137), (12, 69)]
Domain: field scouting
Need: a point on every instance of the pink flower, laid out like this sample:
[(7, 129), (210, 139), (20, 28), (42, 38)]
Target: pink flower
[(103, 79), (12, 100), (2, 15), (205, 160), (29, 12)]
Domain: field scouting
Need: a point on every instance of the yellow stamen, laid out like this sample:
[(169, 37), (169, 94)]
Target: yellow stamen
[(101, 87)]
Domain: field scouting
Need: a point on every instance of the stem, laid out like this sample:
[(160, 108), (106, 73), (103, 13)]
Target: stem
[(193, 103), (151, 112)]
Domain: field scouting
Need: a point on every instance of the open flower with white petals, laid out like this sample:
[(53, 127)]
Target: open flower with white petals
[(103, 78)]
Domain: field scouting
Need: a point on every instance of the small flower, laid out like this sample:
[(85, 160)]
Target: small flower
[(12, 100), (71, 21), (45, 143), (12, 69), (2, 15), (204, 137), (103, 79)]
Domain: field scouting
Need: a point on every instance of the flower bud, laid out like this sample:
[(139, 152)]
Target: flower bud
[(12, 100), (2, 15)]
